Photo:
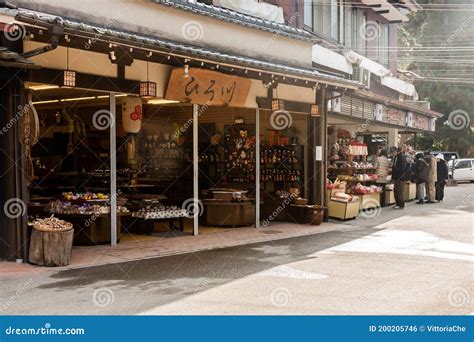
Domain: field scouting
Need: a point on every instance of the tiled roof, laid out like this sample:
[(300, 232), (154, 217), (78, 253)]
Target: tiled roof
[(239, 18), (186, 49)]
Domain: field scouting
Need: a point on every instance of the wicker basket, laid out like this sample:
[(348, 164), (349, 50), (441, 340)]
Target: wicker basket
[(300, 201)]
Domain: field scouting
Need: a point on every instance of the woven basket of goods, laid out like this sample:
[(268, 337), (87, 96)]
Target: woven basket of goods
[(51, 224), (51, 242)]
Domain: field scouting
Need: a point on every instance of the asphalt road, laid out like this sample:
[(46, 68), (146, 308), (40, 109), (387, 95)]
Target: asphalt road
[(415, 261)]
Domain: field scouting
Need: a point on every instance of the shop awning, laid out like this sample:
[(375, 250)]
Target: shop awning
[(331, 59), (179, 49), (366, 63), (399, 85), (386, 10), (396, 103), (385, 75)]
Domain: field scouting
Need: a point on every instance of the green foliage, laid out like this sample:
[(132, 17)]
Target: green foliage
[(441, 40)]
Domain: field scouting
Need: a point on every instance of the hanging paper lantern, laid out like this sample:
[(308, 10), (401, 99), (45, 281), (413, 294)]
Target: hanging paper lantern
[(132, 114)]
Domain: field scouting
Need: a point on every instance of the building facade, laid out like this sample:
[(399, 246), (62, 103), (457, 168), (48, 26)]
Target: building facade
[(201, 69)]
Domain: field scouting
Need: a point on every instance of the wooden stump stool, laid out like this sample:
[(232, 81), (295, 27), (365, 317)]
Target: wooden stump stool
[(51, 248)]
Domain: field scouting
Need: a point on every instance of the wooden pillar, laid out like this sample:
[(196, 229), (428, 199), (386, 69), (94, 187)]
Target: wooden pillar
[(257, 168), (196, 169), (113, 171), (320, 146)]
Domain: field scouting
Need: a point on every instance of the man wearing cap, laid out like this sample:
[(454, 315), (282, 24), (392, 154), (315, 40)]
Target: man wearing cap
[(442, 176)]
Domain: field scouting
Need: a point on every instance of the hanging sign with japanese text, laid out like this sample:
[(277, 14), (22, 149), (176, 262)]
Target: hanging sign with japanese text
[(207, 87)]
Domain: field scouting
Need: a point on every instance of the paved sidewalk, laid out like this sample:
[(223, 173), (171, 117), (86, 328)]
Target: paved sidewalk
[(130, 251)]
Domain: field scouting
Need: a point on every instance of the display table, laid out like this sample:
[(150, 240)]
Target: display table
[(228, 214), (92, 229), (147, 226)]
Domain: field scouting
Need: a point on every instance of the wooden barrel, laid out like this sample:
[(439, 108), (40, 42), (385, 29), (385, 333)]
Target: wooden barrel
[(51, 248)]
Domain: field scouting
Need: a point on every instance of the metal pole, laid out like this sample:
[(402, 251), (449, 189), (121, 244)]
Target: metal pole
[(113, 172), (257, 168), (196, 170)]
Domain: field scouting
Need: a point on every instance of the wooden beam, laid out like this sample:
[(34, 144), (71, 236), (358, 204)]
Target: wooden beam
[(87, 81)]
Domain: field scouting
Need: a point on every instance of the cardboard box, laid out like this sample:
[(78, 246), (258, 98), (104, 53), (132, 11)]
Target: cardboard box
[(368, 201), (343, 210), (389, 197), (410, 191)]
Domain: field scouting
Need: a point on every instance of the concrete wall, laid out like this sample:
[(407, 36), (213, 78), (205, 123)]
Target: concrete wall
[(146, 17)]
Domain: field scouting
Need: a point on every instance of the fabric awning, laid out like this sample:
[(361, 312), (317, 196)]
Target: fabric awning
[(331, 59), (400, 86), (368, 64)]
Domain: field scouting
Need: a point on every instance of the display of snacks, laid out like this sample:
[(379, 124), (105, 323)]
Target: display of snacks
[(357, 148), (160, 212), (360, 189), (342, 197), (51, 224), (67, 208), (86, 196), (362, 177), (337, 184)]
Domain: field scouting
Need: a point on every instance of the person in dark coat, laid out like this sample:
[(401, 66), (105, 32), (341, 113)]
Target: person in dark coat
[(399, 174), (442, 176), (420, 175)]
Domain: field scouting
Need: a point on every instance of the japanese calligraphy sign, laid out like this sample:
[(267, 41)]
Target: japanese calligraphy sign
[(207, 87)]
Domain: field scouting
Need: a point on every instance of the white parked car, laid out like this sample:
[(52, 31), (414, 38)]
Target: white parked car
[(463, 169)]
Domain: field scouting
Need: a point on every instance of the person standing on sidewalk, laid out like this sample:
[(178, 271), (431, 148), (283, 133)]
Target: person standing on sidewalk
[(399, 169), (421, 175), (432, 178), (442, 176)]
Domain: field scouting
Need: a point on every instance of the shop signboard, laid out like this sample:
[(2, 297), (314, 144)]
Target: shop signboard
[(432, 124), (410, 121), (378, 112), (421, 122), (396, 117), (207, 87), (336, 102)]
